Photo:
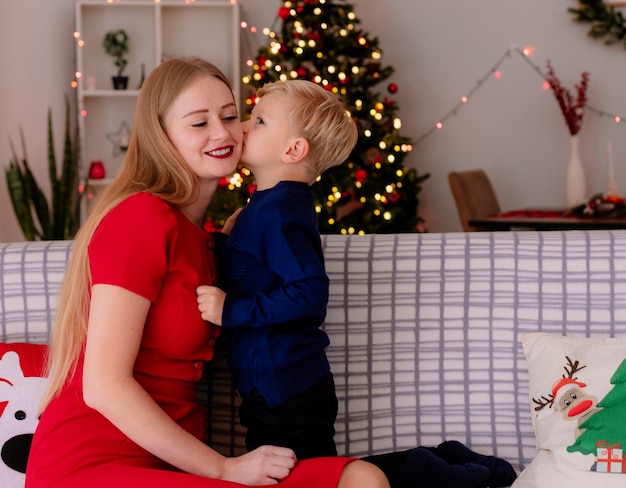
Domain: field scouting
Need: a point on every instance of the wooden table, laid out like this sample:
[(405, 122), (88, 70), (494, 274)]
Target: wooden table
[(545, 219)]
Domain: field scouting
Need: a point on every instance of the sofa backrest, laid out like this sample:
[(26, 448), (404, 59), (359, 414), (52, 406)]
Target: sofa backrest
[(30, 275), (425, 329)]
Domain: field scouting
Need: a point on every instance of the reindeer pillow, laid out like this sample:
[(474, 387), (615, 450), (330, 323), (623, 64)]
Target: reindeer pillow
[(21, 387), (578, 408)]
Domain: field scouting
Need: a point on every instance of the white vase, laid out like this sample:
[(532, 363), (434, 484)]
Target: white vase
[(575, 185)]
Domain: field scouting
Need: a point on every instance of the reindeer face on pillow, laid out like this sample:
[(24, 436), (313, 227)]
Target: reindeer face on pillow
[(21, 388)]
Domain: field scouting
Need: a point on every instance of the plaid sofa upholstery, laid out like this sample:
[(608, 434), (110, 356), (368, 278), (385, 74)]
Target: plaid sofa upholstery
[(425, 330)]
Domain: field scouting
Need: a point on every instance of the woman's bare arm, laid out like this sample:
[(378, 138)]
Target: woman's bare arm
[(116, 323)]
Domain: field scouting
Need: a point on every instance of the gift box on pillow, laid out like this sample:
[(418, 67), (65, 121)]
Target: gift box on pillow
[(610, 457)]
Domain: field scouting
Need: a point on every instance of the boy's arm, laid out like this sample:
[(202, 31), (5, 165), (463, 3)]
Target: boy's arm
[(294, 255)]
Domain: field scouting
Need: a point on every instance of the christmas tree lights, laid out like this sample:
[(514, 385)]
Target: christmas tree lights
[(320, 40)]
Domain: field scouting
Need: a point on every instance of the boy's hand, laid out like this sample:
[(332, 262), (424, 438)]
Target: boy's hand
[(230, 222), (211, 303)]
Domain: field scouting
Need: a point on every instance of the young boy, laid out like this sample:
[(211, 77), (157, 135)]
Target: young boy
[(276, 287), (276, 292)]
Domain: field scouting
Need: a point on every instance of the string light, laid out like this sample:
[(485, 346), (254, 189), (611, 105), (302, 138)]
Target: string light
[(496, 73), (525, 53)]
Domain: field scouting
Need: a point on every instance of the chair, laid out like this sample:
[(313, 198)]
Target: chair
[(473, 195)]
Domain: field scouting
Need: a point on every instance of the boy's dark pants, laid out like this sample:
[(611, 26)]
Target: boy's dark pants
[(304, 423)]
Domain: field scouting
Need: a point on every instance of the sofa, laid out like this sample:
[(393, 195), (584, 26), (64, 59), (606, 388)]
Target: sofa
[(425, 329)]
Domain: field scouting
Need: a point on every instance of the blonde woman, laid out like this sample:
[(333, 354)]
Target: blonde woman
[(128, 344)]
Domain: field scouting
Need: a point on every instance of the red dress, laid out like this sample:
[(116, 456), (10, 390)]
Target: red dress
[(152, 249)]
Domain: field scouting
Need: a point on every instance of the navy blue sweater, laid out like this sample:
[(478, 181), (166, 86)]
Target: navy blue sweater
[(277, 291)]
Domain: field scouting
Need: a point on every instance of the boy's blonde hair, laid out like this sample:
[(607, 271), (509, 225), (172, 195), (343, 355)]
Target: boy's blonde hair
[(321, 118)]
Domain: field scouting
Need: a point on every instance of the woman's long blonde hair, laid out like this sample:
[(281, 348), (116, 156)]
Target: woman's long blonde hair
[(151, 164)]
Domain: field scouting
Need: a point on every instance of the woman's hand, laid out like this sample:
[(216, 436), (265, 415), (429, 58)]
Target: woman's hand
[(266, 465), (211, 303)]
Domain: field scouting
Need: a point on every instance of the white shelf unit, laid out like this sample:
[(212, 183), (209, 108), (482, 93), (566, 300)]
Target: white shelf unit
[(157, 30)]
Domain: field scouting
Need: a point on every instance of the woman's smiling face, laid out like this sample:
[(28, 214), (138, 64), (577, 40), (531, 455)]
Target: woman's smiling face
[(204, 126)]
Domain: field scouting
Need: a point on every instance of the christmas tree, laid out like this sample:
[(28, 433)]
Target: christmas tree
[(607, 424), (371, 192)]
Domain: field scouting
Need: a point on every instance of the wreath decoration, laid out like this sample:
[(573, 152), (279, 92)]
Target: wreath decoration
[(605, 21)]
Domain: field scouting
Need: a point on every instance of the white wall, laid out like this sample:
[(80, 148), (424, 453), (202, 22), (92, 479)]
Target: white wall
[(36, 59), (439, 49)]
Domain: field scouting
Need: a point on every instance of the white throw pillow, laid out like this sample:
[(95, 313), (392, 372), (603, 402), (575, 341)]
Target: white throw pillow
[(578, 406), (21, 387)]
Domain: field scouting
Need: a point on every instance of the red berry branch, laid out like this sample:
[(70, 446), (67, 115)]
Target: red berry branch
[(572, 110)]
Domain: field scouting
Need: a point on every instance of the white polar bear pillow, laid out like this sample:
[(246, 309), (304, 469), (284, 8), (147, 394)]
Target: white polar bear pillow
[(21, 388), (578, 407)]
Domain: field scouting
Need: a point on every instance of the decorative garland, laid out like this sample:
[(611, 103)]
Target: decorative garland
[(605, 21), (494, 72)]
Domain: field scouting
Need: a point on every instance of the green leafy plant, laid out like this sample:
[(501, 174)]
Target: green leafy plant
[(606, 22), (38, 218), (115, 44)]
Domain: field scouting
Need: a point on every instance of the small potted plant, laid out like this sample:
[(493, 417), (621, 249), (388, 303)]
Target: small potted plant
[(115, 44)]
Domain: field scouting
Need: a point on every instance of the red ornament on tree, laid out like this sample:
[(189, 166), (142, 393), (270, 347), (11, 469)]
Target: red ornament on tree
[(392, 88), (283, 13), (302, 72), (373, 156), (360, 175), (394, 197), (373, 67)]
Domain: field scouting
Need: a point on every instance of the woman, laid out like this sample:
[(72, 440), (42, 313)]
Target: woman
[(128, 344)]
